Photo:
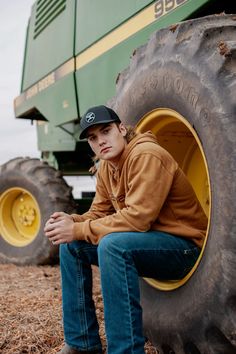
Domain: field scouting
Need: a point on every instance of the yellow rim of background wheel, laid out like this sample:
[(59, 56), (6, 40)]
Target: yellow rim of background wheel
[(177, 136), (19, 217)]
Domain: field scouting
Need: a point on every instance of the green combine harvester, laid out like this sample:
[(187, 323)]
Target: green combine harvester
[(168, 66)]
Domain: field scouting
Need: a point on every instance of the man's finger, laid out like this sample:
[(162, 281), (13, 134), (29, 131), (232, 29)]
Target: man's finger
[(49, 227), (50, 221), (57, 240), (51, 233), (59, 218), (54, 238), (57, 214)]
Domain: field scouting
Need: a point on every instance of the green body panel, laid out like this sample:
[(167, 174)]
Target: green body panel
[(83, 24), (96, 18), (96, 81), (57, 103), (52, 47), (51, 138)]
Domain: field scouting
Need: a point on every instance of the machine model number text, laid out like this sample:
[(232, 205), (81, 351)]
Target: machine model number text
[(162, 7)]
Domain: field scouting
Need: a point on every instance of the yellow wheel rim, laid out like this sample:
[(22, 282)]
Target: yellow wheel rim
[(19, 217), (177, 136)]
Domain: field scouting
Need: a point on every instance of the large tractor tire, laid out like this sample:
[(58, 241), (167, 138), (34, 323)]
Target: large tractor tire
[(182, 86), (30, 191)]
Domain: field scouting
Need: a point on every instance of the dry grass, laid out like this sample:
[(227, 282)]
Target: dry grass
[(30, 310)]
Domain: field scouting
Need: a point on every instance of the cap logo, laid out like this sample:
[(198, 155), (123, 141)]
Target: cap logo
[(90, 116)]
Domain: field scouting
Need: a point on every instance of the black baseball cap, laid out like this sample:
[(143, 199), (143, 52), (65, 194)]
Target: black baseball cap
[(97, 115)]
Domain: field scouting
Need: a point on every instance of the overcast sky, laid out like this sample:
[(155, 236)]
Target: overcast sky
[(17, 136)]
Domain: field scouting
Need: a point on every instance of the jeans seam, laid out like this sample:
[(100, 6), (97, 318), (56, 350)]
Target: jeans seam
[(83, 319), (125, 256), (130, 309), (183, 251)]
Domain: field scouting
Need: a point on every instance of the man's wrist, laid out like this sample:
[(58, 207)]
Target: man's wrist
[(76, 230), (76, 217)]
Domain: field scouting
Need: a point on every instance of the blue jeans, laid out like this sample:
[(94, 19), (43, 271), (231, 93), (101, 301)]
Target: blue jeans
[(122, 258)]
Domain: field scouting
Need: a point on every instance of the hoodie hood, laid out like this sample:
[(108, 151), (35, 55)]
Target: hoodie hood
[(140, 138)]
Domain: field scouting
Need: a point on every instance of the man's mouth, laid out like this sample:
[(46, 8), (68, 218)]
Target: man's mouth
[(105, 149)]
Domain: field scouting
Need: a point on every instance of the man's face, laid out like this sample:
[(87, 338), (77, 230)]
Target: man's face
[(107, 141)]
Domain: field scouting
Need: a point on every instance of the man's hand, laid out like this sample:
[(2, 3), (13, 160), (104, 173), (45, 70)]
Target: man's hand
[(59, 228)]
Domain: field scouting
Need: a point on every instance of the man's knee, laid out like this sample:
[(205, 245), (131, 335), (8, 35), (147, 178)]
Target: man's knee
[(110, 244), (79, 250), (63, 250), (65, 253), (71, 249)]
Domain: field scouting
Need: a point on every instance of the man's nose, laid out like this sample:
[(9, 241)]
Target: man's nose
[(101, 141)]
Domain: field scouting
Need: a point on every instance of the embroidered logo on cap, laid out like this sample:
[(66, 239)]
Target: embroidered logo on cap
[(90, 116)]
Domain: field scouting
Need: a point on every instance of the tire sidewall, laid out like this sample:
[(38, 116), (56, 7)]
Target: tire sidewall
[(169, 84), (32, 252), (51, 193)]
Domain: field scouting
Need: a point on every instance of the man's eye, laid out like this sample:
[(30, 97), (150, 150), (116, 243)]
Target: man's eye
[(91, 138)]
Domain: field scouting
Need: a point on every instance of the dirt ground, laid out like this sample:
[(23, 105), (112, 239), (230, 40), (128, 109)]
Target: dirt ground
[(30, 310)]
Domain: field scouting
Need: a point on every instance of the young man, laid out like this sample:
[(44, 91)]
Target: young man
[(145, 220)]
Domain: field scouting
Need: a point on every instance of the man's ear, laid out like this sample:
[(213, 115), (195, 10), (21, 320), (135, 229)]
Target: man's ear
[(122, 129)]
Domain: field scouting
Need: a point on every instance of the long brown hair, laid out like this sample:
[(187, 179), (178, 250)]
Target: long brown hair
[(131, 133)]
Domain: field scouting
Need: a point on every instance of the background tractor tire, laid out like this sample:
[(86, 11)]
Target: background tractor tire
[(30, 191), (190, 69)]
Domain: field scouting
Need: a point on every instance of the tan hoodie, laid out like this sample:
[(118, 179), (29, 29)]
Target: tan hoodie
[(147, 191)]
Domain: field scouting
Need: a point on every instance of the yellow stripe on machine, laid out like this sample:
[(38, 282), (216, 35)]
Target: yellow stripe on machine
[(126, 30)]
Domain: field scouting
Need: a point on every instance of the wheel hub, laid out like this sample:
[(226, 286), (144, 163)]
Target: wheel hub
[(19, 217), (26, 215)]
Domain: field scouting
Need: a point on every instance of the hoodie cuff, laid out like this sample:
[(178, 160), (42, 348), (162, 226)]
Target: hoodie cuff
[(76, 217), (82, 232)]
